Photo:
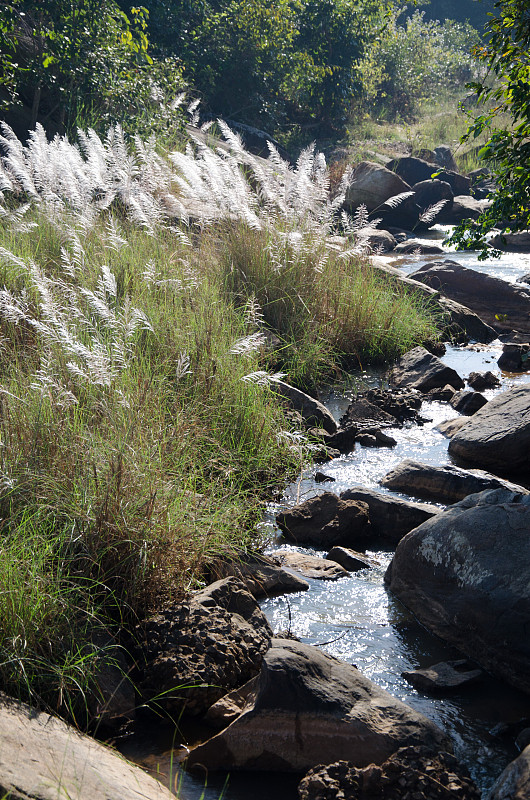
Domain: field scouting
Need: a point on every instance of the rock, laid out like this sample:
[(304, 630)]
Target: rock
[(231, 705), (524, 278), (410, 774), (464, 324), (483, 380), (446, 393), (311, 566), (398, 404), (312, 411), (376, 239), (513, 242), (447, 676), (326, 520), (447, 484), (522, 740), (416, 170), (514, 782), (370, 185), (449, 427), (261, 576), (320, 477), (42, 757), (504, 306), (344, 439), (464, 207), (350, 559), (390, 517), (113, 700), (428, 193), (193, 653), (498, 436), (465, 574), (467, 403), (419, 369), (310, 708), (515, 357), (444, 157), (418, 246)]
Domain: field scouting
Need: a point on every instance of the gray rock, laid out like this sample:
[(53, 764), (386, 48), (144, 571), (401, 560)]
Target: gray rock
[(321, 477), (419, 369), (444, 157), (502, 305), (446, 484), (310, 566), (312, 410), (376, 239), (522, 739), (326, 520), (310, 708), (498, 436), (524, 278), (465, 574), (464, 324), (261, 576), (483, 380), (418, 246), (350, 559), (370, 185), (447, 676), (449, 427), (43, 758), (464, 207), (415, 170), (514, 782), (390, 517), (515, 357), (513, 242), (467, 403)]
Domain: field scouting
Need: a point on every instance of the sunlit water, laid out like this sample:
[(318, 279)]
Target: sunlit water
[(355, 618)]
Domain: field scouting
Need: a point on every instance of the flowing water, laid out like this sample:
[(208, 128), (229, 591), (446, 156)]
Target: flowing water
[(355, 618)]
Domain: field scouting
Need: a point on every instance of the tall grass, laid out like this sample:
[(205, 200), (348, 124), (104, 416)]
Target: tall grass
[(140, 304)]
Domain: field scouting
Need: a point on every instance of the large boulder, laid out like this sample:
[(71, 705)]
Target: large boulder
[(370, 185), (497, 437), (419, 369), (463, 207), (308, 708), (326, 520), (514, 782), (191, 654), (446, 484), (415, 170), (390, 517), (505, 306), (42, 757), (465, 574), (312, 410), (514, 242)]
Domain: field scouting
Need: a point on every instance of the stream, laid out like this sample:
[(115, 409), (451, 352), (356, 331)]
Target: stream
[(355, 618)]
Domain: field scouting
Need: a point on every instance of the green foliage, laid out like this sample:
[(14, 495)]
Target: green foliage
[(507, 149)]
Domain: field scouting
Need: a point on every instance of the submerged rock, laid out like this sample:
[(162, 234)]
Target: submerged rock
[(465, 574), (326, 520), (308, 708), (447, 484)]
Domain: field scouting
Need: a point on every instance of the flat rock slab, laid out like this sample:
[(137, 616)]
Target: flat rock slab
[(497, 437), (311, 566), (465, 575), (261, 576), (326, 520), (42, 757), (351, 560), (419, 369), (514, 782), (447, 484), (390, 517), (447, 676), (449, 427), (309, 709)]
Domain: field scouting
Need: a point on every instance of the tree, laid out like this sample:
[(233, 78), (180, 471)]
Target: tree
[(507, 56)]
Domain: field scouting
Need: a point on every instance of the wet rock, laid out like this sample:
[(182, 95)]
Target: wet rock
[(370, 185), (419, 369), (514, 782), (191, 654), (43, 758), (447, 676), (446, 484), (350, 559), (310, 708), (445, 393), (465, 574), (399, 404), (326, 520), (311, 566), (498, 436), (483, 380), (449, 427), (512, 242), (515, 357), (261, 576), (390, 517), (502, 305), (362, 412), (344, 440), (410, 774), (417, 246), (312, 410), (321, 477), (467, 403)]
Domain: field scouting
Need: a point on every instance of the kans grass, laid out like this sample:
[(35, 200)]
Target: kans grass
[(148, 304)]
